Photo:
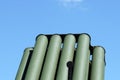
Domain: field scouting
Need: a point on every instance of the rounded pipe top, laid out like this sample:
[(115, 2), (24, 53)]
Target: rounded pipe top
[(28, 49), (70, 36), (63, 35), (56, 35), (103, 50), (100, 47), (86, 34), (41, 35)]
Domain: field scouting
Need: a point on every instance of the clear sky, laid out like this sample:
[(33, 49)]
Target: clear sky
[(22, 20)]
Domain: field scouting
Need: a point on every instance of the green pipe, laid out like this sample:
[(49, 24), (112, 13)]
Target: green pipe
[(81, 58), (66, 56), (51, 60), (23, 63), (98, 64), (37, 58)]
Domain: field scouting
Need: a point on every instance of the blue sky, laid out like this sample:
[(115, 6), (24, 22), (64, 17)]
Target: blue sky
[(22, 20)]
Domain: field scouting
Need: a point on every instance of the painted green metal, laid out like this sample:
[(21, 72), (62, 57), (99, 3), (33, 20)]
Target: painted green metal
[(23, 63), (66, 56), (73, 59), (82, 59), (51, 60), (36, 61), (98, 64)]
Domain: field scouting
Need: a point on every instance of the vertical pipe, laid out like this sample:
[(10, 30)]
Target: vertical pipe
[(35, 65), (51, 59), (66, 56), (23, 63), (81, 58), (98, 64)]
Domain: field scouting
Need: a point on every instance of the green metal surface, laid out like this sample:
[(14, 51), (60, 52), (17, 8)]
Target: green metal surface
[(23, 64), (51, 59), (82, 58), (66, 55), (73, 59), (36, 62), (98, 64)]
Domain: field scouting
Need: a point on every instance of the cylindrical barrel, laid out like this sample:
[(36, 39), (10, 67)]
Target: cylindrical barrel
[(51, 60), (23, 63), (37, 58), (98, 64), (82, 58), (66, 56)]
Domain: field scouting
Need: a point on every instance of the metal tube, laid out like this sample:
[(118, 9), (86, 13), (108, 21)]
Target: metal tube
[(81, 58), (23, 63), (98, 64), (51, 59), (66, 56), (35, 65)]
